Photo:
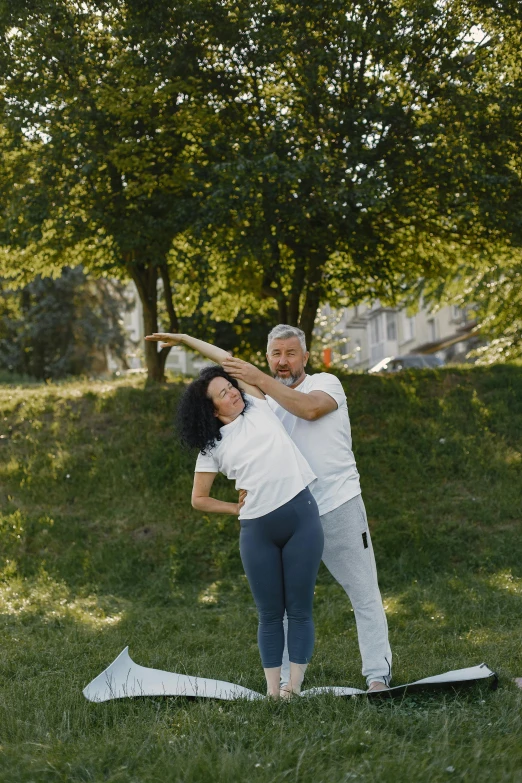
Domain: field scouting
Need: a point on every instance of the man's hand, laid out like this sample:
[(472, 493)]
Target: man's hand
[(165, 339), (243, 371)]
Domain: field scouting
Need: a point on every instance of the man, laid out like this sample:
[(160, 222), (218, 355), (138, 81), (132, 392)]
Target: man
[(314, 412)]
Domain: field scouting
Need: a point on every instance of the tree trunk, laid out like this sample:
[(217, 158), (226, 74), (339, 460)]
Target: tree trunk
[(282, 308), (298, 281), (308, 314), (145, 277), (171, 310), (312, 300), (169, 300)]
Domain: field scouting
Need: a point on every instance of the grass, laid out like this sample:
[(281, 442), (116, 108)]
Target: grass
[(100, 548)]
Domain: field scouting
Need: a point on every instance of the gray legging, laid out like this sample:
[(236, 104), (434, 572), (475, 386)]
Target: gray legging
[(281, 552)]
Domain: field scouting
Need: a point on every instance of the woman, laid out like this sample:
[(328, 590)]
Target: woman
[(281, 538)]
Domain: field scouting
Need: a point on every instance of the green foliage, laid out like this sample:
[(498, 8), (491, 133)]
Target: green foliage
[(345, 181), (488, 282), (244, 335), (100, 548), (109, 131), (262, 156), (103, 100), (474, 157), (52, 328)]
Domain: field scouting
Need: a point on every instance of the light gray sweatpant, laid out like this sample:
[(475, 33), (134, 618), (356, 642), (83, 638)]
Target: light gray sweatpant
[(348, 555)]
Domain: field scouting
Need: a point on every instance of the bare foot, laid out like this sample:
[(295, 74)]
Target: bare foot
[(286, 692)]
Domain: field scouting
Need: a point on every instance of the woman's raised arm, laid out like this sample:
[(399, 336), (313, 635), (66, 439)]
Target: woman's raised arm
[(207, 350)]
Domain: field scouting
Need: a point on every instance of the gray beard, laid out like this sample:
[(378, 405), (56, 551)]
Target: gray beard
[(290, 380)]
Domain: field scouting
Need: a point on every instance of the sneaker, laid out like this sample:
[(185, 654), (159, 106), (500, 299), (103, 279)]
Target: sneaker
[(376, 686)]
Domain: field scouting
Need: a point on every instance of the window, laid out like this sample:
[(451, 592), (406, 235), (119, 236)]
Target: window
[(391, 327), (432, 330), (375, 330), (408, 327), (357, 352)]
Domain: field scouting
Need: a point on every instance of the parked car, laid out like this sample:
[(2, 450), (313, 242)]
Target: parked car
[(410, 361)]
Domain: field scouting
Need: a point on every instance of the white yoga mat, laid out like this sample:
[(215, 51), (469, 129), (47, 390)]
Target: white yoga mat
[(125, 679), (457, 677)]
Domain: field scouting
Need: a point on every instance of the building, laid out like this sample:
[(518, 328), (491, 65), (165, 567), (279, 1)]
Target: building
[(374, 332)]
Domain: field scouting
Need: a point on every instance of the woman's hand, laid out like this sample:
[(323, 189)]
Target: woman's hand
[(242, 498), (165, 339)]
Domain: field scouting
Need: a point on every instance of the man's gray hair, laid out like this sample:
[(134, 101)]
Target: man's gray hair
[(283, 332)]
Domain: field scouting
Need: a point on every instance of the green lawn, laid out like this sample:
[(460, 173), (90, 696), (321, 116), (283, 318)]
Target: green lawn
[(99, 548)]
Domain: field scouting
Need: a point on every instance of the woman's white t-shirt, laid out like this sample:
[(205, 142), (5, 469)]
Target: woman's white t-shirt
[(256, 451)]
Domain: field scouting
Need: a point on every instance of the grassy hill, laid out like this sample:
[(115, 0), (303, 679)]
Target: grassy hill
[(100, 548)]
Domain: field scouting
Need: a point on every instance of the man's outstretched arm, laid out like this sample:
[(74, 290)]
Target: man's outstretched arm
[(311, 406)]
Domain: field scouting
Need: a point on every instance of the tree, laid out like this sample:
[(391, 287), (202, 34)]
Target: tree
[(107, 96), (477, 141), (52, 328), (296, 153), (332, 187)]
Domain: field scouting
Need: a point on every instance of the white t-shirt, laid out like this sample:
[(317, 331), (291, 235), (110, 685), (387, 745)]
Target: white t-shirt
[(256, 451), (325, 443)]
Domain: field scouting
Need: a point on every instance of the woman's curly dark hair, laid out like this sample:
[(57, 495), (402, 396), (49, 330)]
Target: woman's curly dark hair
[(197, 424)]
